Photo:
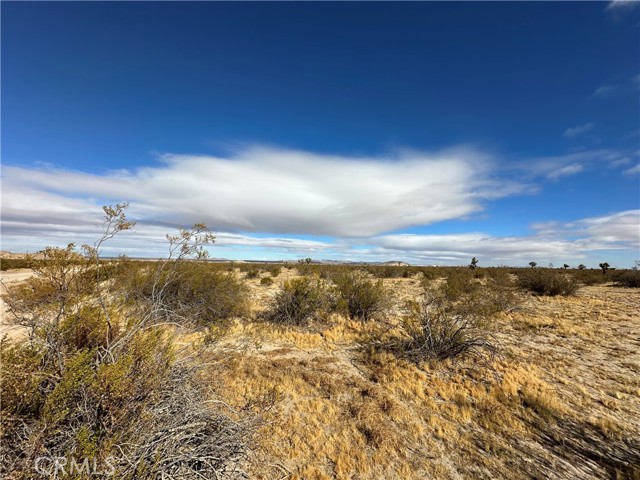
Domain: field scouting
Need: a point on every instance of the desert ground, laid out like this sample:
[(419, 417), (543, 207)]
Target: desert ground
[(7, 279), (559, 399)]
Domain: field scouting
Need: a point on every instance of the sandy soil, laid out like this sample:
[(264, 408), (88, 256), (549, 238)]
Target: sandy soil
[(561, 401), (8, 278)]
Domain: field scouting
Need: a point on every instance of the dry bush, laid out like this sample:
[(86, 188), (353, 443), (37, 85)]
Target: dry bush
[(191, 292), (300, 300), (589, 277), (273, 270), (359, 295), (253, 273), (497, 294), (460, 281), (433, 331), (629, 279), (180, 436), (98, 378), (266, 281), (11, 263), (547, 282)]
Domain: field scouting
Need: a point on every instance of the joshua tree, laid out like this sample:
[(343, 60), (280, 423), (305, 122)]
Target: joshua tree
[(604, 266), (582, 266), (565, 266), (474, 263), (533, 264)]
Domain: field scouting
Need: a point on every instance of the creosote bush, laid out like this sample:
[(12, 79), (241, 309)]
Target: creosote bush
[(547, 282), (253, 273), (629, 279), (460, 281), (266, 281), (99, 378), (300, 300), (191, 292), (359, 295)]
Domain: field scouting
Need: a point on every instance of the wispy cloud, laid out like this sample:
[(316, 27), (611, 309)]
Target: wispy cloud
[(605, 91), (567, 171), (554, 167), (282, 203), (617, 5), (553, 241), (577, 131), (633, 170), (263, 189)]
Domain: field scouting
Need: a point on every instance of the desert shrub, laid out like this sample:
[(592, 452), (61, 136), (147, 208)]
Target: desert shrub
[(460, 281), (427, 276), (300, 300), (497, 294), (266, 281), (547, 282), (253, 273), (274, 270), (434, 332), (629, 278), (190, 292), (11, 263), (589, 277), (140, 402), (94, 379), (359, 295)]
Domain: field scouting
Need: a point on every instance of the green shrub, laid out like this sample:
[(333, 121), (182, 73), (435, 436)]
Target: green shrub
[(253, 273), (266, 281), (359, 295), (497, 294), (460, 281), (547, 282), (191, 292), (98, 370), (589, 277), (11, 263), (629, 278), (300, 300), (274, 270)]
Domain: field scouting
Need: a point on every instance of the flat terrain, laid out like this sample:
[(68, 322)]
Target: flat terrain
[(562, 400)]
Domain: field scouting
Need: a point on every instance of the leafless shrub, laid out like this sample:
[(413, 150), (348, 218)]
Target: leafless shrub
[(433, 332), (181, 436)]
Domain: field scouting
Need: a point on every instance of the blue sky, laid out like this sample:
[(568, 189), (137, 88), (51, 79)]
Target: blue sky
[(426, 132)]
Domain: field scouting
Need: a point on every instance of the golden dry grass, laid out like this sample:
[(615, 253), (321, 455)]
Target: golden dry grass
[(562, 401)]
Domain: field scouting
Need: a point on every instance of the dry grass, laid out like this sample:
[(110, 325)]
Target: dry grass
[(563, 400)]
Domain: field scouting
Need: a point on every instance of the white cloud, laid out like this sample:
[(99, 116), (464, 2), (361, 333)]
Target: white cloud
[(551, 242), (268, 190), (577, 131), (633, 170), (566, 171), (620, 162), (285, 192), (605, 91), (617, 5), (546, 166)]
